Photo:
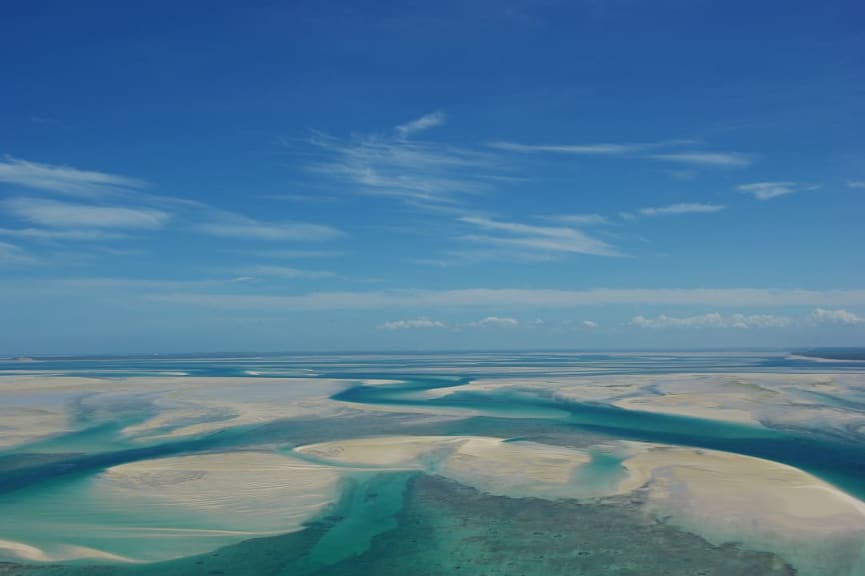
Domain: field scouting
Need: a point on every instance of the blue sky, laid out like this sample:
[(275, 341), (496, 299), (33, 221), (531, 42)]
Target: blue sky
[(340, 175)]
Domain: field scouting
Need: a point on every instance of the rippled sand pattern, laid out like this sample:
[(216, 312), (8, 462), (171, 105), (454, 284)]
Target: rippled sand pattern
[(474, 464)]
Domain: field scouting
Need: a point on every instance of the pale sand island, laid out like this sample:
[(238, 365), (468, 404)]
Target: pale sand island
[(160, 507), (721, 496), (172, 507)]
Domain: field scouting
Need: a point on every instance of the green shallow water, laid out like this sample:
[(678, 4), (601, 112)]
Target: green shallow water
[(406, 523), (441, 527), (836, 460), (369, 507)]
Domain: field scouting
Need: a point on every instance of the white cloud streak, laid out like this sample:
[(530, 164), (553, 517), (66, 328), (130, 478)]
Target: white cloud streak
[(712, 320), (103, 219), (578, 219), (417, 172), (12, 254), (577, 149), (64, 179), (549, 239), (768, 190), (437, 175), (520, 298), (289, 254), (718, 159), (284, 272), (236, 226), (591, 324), (677, 209), (412, 324), (425, 122), (59, 234), (688, 157), (55, 214), (856, 183)]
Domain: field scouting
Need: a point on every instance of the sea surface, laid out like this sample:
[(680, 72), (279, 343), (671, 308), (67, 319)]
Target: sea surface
[(62, 514)]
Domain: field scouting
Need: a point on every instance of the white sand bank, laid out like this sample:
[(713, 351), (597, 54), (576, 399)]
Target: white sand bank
[(489, 464), (762, 504), (253, 492), (20, 551), (167, 508)]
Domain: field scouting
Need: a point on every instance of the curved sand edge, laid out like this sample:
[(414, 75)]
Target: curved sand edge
[(21, 551), (166, 508), (490, 464), (761, 504)]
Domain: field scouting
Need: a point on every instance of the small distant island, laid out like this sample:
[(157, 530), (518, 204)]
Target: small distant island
[(841, 354)]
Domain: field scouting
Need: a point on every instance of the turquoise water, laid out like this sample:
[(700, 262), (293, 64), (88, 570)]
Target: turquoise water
[(404, 520), (369, 507), (444, 528), (838, 461), (601, 474)]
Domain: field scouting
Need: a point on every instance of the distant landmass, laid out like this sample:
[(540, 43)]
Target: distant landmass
[(834, 353)]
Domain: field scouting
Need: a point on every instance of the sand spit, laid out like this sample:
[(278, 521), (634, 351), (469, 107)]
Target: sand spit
[(24, 425), (21, 551), (706, 406), (755, 399), (721, 496), (250, 491), (167, 508), (515, 468), (764, 505), (821, 360), (190, 406), (493, 465), (195, 503), (399, 452), (35, 407)]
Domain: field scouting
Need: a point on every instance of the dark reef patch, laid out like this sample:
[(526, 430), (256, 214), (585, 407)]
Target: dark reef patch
[(447, 528)]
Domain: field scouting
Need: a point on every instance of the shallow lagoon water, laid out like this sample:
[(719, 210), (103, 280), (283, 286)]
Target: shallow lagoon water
[(378, 523)]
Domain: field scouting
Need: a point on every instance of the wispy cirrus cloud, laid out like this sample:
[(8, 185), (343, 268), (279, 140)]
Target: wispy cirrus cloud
[(712, 320), (856, 183), (769, 190), (53, 234), (111, 206), (65, 179), (439, 175), (492, 253), (416, 323), (283, 272), (228, 225), (417, 125), (56, 214), (674, 210), (720, 159), (601, 149), (106, 207), (540, 239), (685, 156), (291, 254), (419, 172), (12, 254), (504, 298), (578, 219)]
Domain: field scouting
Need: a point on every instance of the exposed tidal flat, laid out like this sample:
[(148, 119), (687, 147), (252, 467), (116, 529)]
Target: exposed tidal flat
[(715, 463)]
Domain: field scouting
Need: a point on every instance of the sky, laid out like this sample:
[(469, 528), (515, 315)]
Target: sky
[(339, 175)]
